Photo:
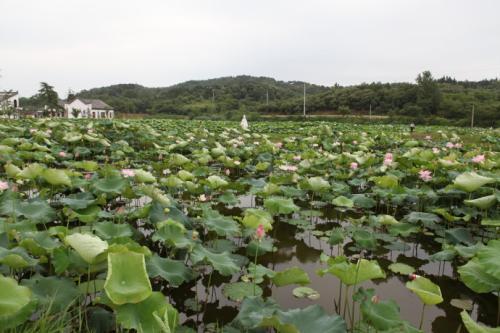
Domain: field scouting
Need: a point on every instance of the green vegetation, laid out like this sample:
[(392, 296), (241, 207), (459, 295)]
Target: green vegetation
[(427, 101), (168, 226)]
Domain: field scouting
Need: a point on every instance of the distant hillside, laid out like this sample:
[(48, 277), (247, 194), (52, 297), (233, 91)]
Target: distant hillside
[(428, 100), (243, 93)]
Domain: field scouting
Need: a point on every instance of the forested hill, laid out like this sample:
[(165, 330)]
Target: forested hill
[(427, 98), (244, 93)]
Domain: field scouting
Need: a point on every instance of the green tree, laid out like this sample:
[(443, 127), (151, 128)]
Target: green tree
[(428, 93), (48, 96)]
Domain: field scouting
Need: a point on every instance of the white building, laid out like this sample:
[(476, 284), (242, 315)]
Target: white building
[(9, 104), (87, 108), (9, 99)]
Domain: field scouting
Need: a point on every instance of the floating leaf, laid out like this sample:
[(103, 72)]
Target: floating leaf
[(401, 268), (301, 292), (239, 290)]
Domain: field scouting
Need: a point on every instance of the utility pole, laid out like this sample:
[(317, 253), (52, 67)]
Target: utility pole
[(304, 99), (213, 96), (370, 111), (472, 117)]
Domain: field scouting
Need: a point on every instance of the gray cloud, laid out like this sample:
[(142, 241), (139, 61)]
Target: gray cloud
[(83, 44)]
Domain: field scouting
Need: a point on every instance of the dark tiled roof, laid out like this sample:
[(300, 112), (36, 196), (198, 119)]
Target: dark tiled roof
[(96, 104)]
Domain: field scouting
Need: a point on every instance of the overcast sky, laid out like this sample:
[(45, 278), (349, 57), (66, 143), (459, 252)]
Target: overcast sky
[(84, 44)]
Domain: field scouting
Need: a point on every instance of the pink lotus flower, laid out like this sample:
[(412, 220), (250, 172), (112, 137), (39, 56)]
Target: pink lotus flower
[(425, 175), (88, 175), (202, 197), (354, 165), (355, 142), (260, 232), (128, 173), (62, 154), (4, 186), (450, 145), (458, 145), (388, 156), (387, 161), (478, 159), (435, 150), (297, 158), (412, 276), (287, 167), (278, 144)]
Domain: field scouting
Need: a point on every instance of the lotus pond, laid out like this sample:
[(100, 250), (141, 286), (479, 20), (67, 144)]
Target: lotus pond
[(189, 226)]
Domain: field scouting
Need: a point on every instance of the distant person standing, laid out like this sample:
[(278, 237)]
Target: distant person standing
[(412, 127), (244, 123)]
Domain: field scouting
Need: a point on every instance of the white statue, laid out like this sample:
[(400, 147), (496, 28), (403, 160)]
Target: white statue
[(244, 123)]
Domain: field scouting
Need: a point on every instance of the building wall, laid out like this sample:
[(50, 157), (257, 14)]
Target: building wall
[(84, 109)]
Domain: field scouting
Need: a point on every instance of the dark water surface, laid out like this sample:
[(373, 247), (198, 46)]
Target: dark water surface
[(303, 249)]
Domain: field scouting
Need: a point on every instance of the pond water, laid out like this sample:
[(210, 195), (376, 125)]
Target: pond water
[(296, 247)]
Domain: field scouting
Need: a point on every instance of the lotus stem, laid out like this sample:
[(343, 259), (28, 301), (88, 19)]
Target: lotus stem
[(422, 317), (255, 268)]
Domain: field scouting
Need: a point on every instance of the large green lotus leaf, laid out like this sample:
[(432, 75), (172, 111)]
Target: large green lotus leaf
[(280, 205), (86, 165), (38, 243), (468, 251), (56, 177), (11, 170), (401, 268), (365, 239), (222, 262), (126, 285), (185, 175), (174, 271), (426, 290), (342, 201), (387, 181), (89, 247), (37, 210), (253, 217), (16, 303), (473, 327), (383, 315), (483, 202), (16, 258), (110, 230), (143, 176), (178, 160), (336, 236), (489, 257), (363, 201), (52, 292), (293, 275), (85, 215), (79, 200), (173, 234), (387, 220), (474, 275), (355, 273), (493, 221), (114, 184), (459, 235), (425, 218), (72, 137), (222, 225), (143, 316), (237, 291), (471, 181), (403, 229), (31, 171), (216, 182), (310, 319), (318, 184)]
